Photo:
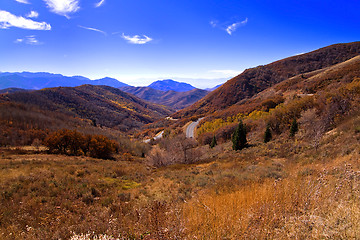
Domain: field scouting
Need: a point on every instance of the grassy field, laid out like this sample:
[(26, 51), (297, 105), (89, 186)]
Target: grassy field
[(285, 189)]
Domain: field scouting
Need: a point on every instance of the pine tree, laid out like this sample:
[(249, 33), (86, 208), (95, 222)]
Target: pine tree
[(267, 134), (239, 137), (294, 128), (213, 142)]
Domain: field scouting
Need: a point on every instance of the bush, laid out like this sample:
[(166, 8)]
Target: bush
[(294, 128), (72, 142), (101, 147), (65, 141)]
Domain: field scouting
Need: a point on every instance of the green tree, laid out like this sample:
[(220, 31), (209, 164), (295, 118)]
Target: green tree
[(267, 134), (294, 128), (213, 142), (239, 137)]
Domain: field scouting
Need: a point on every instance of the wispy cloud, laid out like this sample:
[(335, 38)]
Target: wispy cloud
[(93, 29), (229, 28), (232, 28), (214, 23), (23, 1), (31, 40), (63, 7), (8, 20), (99, 4), (137, 39), (226, 72), (32, 14)]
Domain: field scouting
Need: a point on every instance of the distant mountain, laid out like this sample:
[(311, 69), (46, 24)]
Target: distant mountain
[(167, 85), (212, 89), (36, 81), (172, 99), (112, 82), (107, 106), (254, 80)]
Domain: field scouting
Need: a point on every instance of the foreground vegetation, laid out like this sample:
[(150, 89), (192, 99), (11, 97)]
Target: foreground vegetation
[(282, 189)]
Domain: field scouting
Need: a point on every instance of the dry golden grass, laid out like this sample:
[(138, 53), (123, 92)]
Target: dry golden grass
[(285, 189), (324, 205)]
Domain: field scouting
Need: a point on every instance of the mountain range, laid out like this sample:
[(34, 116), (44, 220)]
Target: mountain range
[(40, 80), (36, 81), (175, 95)]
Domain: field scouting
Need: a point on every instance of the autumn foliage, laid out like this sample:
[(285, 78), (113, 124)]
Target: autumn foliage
[(72, 142)]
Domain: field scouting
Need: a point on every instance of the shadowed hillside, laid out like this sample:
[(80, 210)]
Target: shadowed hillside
[(104, 105), (172, 99)]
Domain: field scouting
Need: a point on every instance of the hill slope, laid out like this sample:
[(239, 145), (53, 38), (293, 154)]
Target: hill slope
[(172, 99), (107, 106), (255, 80)]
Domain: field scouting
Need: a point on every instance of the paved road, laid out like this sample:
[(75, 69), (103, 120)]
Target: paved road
[(158, 136), (190, 129)]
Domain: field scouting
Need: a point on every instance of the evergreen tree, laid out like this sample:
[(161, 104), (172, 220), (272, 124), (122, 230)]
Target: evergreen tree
[(267, 134), (213, 142), (239, 137), (294, 128)]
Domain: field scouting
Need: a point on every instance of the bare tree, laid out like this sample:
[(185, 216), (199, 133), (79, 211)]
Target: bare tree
[(174, 150)]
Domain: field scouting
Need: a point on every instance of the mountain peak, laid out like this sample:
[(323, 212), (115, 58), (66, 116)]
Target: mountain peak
[(169, 84)]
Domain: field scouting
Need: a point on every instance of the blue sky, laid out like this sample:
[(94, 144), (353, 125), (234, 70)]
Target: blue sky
[(139, 41)]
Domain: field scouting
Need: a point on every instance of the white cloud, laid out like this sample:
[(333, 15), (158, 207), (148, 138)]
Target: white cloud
[(32, 14), (99, 4), (93, 29), (23, 1), (8, 20), (226, 72), (232, 28), (137, 39), (31, 40), (213, 23), (63, 7)]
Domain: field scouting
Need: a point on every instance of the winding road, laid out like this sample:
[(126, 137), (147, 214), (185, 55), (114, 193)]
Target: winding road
[(190, 129), (158, 136)]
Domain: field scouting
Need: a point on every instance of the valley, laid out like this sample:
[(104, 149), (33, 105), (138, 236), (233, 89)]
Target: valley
[(271, 154)]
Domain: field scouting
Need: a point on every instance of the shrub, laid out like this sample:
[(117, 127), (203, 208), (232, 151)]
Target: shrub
[(72, 142), (65, 141), (294, 128), (101, 147)]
